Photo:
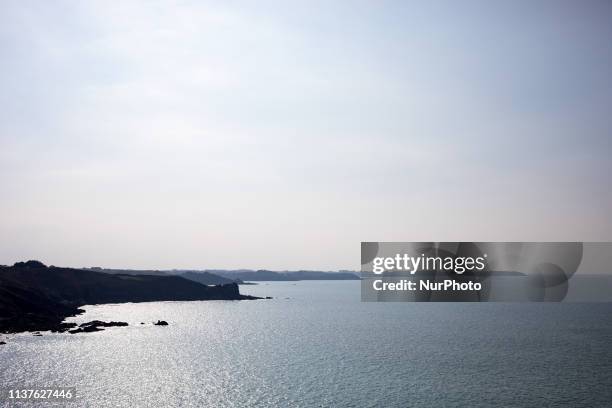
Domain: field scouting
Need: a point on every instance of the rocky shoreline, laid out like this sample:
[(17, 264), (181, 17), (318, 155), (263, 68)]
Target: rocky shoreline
[(34, 297)]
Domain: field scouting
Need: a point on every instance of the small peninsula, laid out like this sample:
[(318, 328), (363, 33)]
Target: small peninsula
[(34, 297)]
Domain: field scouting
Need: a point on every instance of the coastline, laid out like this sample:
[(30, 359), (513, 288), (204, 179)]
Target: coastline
[(34, 297)]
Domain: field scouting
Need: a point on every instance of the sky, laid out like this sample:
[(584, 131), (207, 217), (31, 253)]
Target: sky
[(280, 135)]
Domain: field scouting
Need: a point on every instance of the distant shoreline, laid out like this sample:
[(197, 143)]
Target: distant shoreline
[(240, 276)]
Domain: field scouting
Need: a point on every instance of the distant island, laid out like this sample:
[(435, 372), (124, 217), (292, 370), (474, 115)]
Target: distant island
[(34, 297)]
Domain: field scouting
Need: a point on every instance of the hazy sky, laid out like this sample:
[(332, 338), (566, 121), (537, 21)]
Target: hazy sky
[(281, 134)]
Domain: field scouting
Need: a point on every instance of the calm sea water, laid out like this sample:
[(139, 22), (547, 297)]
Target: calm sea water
[(315, 344)]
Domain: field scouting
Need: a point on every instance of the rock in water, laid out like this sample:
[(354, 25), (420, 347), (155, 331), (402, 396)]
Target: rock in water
[(161, 323), (99, 323), (95, 325), (86, 329), (62, 327)]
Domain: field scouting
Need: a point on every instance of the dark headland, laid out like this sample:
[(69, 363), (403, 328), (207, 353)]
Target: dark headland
[(34, 297)]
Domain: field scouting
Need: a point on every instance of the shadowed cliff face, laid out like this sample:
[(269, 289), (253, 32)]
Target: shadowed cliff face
[(36, 297), (24, 309)]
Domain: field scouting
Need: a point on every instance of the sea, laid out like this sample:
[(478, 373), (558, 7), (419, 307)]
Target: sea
[(315, 344)]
